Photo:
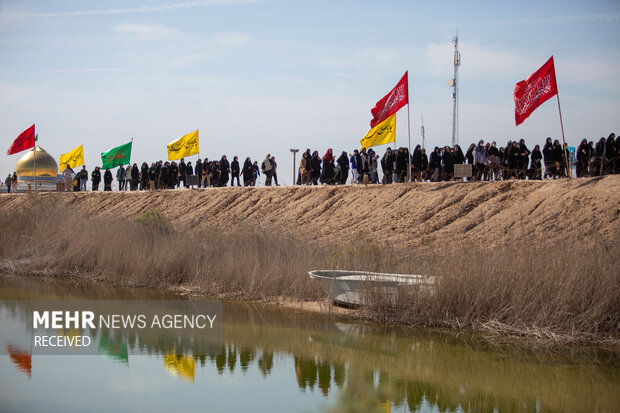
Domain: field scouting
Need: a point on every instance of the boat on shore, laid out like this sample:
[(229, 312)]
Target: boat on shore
[(357, 288)]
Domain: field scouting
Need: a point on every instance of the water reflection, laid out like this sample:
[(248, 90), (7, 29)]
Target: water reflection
[(21, 358), (367, 366), (180, 366)]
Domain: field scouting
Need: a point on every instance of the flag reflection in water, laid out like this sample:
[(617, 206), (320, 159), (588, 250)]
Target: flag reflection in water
[(180, 366), (21, 359)]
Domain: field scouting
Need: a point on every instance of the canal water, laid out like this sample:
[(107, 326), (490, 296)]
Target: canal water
[(270, 359)]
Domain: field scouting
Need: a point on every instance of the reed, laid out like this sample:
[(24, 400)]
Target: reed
[(538, 289)]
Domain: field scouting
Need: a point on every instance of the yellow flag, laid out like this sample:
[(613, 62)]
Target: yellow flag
[(180, 366), (72, 159), (385, 132), (184, 146)]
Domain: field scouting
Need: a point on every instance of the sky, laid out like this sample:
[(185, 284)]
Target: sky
[(265, 76)]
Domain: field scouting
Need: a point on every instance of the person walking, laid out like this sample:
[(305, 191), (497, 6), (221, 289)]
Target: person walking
[(274, 172), (328, 173), (67, 174), (343, 162), (135, 177), (235, 171), (144, 176), (265, 168), (152, 176), (127, 177), (247, 172), (305, 169), (255, 173), (315, 168), (107, 180), (96, 178), (7, 182), (120, 177), (182, 173), (224, 171)]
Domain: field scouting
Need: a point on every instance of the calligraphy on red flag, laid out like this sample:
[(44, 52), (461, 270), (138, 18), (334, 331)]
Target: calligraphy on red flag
[(392, 102), (534, 91)]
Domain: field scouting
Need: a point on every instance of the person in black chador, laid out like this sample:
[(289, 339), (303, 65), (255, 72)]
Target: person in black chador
[(135, 177), (315, 168), (327, 176), (107, 180), (610, 154), (198, 172), (524, 158), (182, 173), (550, 167), (535, 171), (144, 176), (247, 172), (597, 159), (401, 164), (459, 158), (420, 165), (617, 162), (234, 171), (583, 159), (387, 165), (189, 171), (173, 175), (343, 163), (163, 175), (95, 176), (434, 165), (224, 171), (215, 172), (447, 161), (558, 156)]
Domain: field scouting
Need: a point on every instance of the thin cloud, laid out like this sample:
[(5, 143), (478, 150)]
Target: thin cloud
[(231, 40), (132, 10), (578, 18), (108, 69), (145, 31)]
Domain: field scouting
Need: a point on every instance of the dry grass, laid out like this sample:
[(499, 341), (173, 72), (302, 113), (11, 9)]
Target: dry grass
[(550, 292), (539, 290)]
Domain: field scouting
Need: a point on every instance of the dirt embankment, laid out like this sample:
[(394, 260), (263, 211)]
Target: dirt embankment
[(409, 215)]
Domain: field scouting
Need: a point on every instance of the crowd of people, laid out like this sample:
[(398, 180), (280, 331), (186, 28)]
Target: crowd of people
[(170, 175), (487, 160)]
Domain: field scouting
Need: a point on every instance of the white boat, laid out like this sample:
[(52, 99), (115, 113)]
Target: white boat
[(355, 288)]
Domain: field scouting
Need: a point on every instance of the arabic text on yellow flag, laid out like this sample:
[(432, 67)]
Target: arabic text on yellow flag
[(72, 159), (184, 146), (385, 132)]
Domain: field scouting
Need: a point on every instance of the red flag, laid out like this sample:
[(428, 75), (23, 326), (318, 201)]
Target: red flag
[(391, 103), (24, 141), (534, 91), (21, 359)]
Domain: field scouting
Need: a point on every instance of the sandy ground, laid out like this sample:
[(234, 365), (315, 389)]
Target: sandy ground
[(411, 214)]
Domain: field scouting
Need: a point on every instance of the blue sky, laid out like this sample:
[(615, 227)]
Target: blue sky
[(266, 76)]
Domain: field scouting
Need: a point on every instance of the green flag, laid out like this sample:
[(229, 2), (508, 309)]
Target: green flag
[(116, 157), (36, 137)]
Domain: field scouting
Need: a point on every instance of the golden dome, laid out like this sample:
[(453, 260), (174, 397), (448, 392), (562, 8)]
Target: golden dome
[(46, 165)]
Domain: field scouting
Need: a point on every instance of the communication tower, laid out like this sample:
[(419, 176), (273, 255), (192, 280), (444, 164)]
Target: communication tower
[(454, 84)]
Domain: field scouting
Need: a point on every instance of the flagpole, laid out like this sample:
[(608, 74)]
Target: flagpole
[(408, 132), (34, 157), (563, 139), (409, 136)]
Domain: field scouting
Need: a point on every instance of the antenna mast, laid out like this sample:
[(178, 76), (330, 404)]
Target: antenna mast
[(454, 83)]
